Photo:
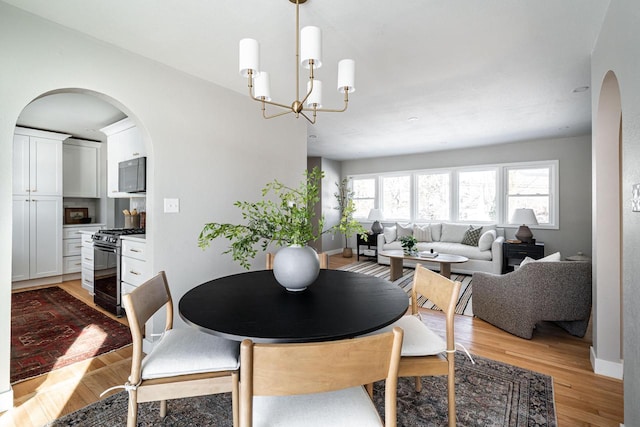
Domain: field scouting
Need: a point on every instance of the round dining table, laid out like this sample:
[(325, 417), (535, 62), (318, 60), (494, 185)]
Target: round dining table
[(338, 305)]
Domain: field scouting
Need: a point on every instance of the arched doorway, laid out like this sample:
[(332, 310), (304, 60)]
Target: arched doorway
[(606, 352)]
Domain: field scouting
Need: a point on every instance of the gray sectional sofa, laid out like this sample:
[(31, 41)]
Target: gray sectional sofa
[(445, 237)]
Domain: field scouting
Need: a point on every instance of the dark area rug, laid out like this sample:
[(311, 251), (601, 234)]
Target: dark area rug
[(50, 329), (488, 393)]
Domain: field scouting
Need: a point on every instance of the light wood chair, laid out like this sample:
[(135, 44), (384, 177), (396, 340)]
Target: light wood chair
[(319, 384), (424, 352), (323, 257), (184, 363)]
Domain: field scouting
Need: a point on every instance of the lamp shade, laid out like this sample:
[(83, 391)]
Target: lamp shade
[(249, 58), (262, 86), (315, 98), (375, 215), (311, 47), (346, 75), (524, 217)]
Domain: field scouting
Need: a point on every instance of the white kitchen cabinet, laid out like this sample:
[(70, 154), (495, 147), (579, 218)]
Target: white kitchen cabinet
[(37, 204), (124, 142), (87, 260), (72, 244), (134, 268), (81, 165), (37, 162), (37, 237)]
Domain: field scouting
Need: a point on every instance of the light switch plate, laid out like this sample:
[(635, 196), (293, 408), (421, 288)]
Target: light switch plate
[(171, 205)]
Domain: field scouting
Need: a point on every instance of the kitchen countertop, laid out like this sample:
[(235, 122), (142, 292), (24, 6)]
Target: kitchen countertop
[(135, 237)]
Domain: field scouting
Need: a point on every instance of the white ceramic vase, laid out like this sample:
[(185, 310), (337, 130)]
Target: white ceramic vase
[(296, 267)]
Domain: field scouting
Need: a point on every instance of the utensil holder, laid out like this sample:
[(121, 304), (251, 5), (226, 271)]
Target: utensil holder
[(132, 221)]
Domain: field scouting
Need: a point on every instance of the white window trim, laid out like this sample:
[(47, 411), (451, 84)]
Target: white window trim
[(501, 189)]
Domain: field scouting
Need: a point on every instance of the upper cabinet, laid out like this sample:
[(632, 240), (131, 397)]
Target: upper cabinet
[(37, 162), (81, 160), (124, 142)]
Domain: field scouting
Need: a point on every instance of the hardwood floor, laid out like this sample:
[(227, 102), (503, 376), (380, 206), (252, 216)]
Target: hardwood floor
[(582, 398)]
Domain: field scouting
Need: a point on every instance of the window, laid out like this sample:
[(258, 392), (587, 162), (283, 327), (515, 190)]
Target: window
[(530, 188), (364, 196), (477, 195), (433, 196), (396, 197)]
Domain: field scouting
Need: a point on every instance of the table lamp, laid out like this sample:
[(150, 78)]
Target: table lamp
[(375, 215), (524, 217)]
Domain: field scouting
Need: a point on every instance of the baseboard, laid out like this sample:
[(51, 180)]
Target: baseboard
[(36, 282), (606, 367), (334, 252), (6, 400)]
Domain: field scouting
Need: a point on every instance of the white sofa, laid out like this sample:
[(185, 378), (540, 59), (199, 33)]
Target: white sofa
[(447, 238)]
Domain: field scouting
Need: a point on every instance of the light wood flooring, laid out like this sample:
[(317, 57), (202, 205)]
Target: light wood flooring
[(582, 398)]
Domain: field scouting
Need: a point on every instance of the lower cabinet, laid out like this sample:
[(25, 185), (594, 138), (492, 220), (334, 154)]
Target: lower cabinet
[(72, 246), (87, 261), (134, 268)]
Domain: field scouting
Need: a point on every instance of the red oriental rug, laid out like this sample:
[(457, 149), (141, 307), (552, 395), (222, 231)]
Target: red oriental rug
[(50, 329)]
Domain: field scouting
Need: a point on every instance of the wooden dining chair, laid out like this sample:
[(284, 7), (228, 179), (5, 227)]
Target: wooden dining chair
[(319, 384), (184, 363), (323, 257), (425, 353)]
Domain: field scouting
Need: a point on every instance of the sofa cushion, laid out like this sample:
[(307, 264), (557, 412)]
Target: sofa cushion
[(486, 240), (404, 230), (471, 236), (471, 252), (422, 233), (390, 234), (453, 232)]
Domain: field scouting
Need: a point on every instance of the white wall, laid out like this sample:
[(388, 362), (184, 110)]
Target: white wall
[(574, 155), (618, 50), (207, 146)]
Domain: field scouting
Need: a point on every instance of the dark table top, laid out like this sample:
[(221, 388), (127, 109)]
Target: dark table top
[(339, 304)]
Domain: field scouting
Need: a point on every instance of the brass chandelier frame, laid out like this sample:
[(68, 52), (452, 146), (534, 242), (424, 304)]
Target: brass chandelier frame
[(297, 107)]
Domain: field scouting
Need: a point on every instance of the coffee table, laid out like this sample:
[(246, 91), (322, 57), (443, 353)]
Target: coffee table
[(396, 258)]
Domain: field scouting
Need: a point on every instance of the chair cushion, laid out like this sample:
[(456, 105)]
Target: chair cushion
[(350, 407), (418, 340), (189, 351)]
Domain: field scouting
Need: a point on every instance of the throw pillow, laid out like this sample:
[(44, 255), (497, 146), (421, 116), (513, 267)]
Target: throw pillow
[(555, 257), (436, 231), (389, 234), (422, 233), (404, 230), (471, 236), (486, 240), (453, 233)]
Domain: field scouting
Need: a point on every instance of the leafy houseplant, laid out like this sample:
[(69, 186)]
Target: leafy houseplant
[(287, 219), (409, 244), (347, 225)]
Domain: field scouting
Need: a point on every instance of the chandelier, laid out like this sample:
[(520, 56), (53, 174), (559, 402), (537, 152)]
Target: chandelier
[(309, 56)]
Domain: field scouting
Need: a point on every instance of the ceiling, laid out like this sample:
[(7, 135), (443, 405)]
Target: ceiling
[(430, 75)]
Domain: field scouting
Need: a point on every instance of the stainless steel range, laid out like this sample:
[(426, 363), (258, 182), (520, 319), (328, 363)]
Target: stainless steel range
[(106, 267)]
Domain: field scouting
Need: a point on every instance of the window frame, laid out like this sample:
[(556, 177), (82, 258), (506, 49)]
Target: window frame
[(501, 170)]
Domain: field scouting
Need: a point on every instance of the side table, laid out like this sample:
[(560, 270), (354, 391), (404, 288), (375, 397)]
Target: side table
[(513, 253), (370, 246)]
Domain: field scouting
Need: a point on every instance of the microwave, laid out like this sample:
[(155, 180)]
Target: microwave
[(132, 175)]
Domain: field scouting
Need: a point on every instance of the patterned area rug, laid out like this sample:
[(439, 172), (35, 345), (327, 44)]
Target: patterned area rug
[(372, 268), (488, 393), (51, 329)]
